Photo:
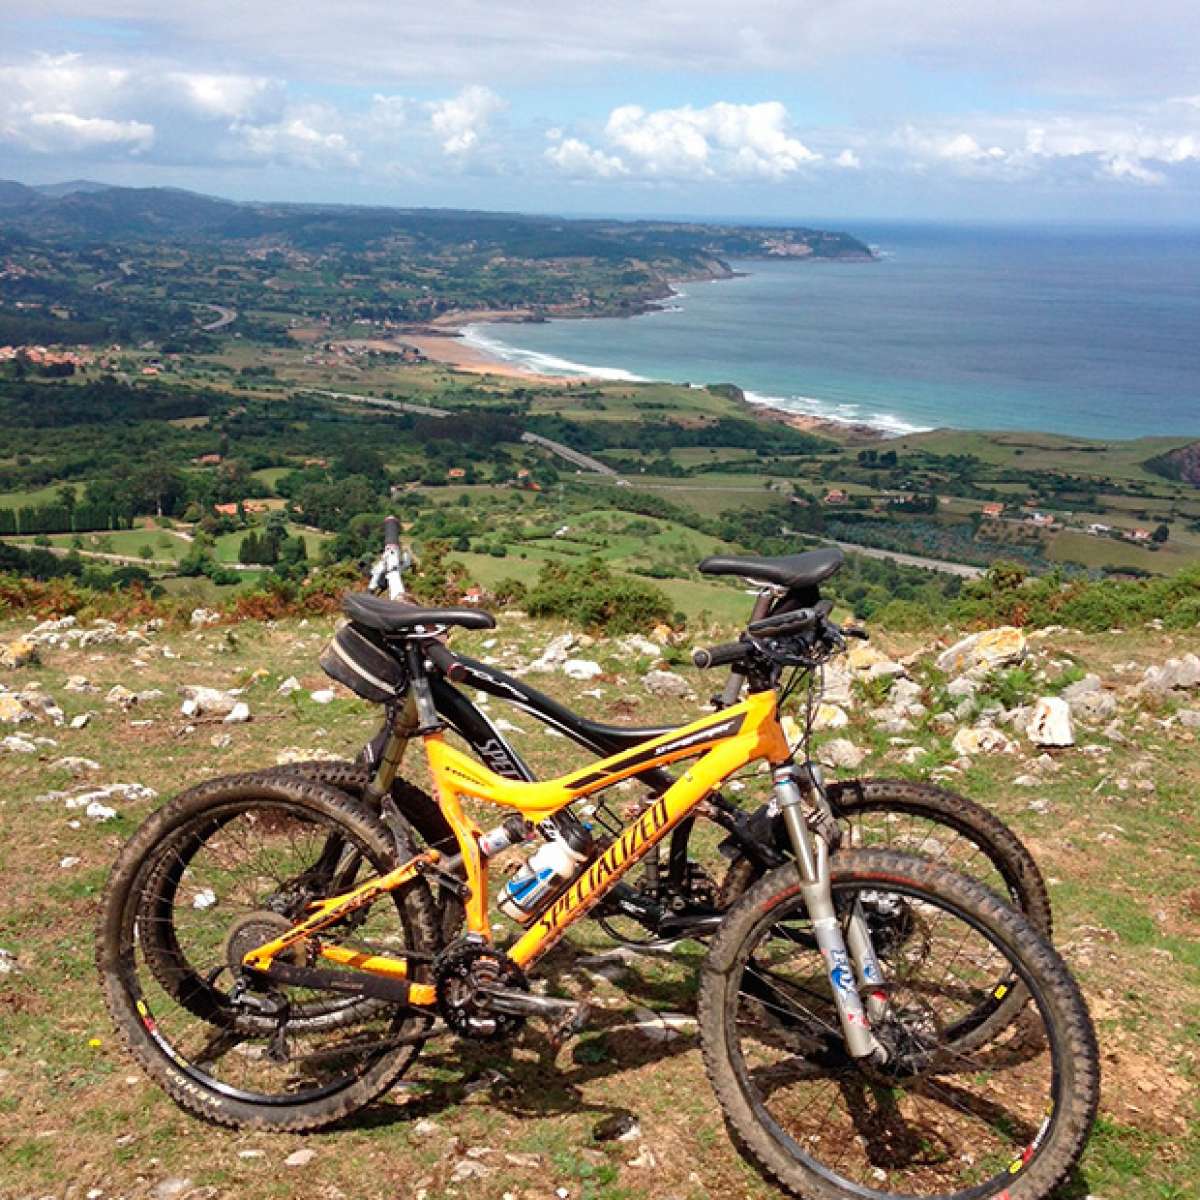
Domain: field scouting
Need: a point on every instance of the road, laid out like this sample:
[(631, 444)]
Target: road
[(124, 559), (404, 406), (582, 461), (963, 570), (225, 316)]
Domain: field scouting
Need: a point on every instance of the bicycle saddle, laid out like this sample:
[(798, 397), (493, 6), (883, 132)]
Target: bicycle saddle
[(398, 617), (788, 570)]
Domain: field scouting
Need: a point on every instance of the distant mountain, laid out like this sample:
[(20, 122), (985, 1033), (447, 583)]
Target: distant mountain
[(57, 190), (16, 196), (85, 211)]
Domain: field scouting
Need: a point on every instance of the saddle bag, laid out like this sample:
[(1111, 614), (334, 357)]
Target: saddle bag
[(358, 659)]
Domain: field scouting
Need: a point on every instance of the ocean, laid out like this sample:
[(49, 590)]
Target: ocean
[(1084, 332)]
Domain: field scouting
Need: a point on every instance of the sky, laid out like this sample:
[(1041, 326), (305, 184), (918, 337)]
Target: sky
[(1004, 110)]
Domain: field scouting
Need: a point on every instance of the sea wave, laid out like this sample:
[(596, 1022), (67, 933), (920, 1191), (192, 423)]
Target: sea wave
[(841, 414), (481, 337), (543, 364)]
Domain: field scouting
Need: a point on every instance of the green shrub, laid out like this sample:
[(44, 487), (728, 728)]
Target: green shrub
[(510, 591), (589, 594)]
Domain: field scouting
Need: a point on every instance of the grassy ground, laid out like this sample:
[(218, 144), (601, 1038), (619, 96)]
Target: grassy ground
[(1116, 830)]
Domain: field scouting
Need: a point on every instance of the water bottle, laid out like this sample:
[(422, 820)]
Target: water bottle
[(568, 846), (511, 832)]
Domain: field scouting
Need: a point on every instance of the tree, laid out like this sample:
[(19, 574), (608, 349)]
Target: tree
[(1161, 534)]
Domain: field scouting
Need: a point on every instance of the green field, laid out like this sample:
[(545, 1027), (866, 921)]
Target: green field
[(125, 542), (227, 545), (1048, 452), (34, 496)]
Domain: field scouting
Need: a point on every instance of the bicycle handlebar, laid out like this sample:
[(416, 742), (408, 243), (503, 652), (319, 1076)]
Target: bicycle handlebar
[(721, 656)]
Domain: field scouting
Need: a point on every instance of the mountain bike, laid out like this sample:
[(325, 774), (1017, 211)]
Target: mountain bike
[(271, 952), (707, 863)]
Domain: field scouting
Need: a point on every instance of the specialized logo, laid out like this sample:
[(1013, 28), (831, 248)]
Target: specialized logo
[(592, 883)]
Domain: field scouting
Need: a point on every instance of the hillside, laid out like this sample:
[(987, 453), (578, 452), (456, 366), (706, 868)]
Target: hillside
[(1182, 464), (1112, 819)]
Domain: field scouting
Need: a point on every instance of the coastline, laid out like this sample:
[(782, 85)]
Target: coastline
[(443, 341), (447, 340)]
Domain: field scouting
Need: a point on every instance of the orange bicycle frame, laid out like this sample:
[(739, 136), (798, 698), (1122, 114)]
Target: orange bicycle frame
[(721, 744)]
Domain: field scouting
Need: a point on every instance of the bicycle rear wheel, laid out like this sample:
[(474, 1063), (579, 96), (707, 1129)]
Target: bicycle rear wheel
[(1009, 1118), (222, 868)]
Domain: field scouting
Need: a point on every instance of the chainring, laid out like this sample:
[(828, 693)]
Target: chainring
[(460, 971)]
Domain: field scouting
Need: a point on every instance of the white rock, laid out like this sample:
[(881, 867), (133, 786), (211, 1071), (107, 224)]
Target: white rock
[(1050, 724), (667, 685), (980, 740), (322, 696), (1000, 647), (202, 617), (74, 764), (18, 745), (838, 683), (100, 812), (69, 861), (288, 686), (842, 753), (79, 683), (904, 692), (503, 726), (238, 715), (8, 962), (300, 1158), (1082, 687), (830, 716), (209, 701), (171, 1189), (555, 654), (81, 720), (1181, 673), (18, 653), (204, 898), (634, 643), (1189, 718), (582, 669)]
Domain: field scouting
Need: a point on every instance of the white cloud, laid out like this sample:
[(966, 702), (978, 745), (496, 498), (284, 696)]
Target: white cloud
[(1129, 147), (723, 141), (51, 131), (847, 158), (233, 96), (462, 119), (1102, 47), (580, 160), (299, 140)]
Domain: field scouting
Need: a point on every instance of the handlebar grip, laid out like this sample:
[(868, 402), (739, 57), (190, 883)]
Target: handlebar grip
[(720, 656), (391, 531), (445, 661)]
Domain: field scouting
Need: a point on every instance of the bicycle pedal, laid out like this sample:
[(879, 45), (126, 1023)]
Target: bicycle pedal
[(569, 1025)]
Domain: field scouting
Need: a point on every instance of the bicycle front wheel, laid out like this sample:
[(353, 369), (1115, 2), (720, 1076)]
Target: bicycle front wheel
[(1008, 1118)]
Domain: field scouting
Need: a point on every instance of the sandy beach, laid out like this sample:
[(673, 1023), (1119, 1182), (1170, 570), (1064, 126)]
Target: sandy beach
[(450, 349)]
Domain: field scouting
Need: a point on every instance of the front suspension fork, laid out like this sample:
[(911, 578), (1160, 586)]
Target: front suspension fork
[(850, 961)]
